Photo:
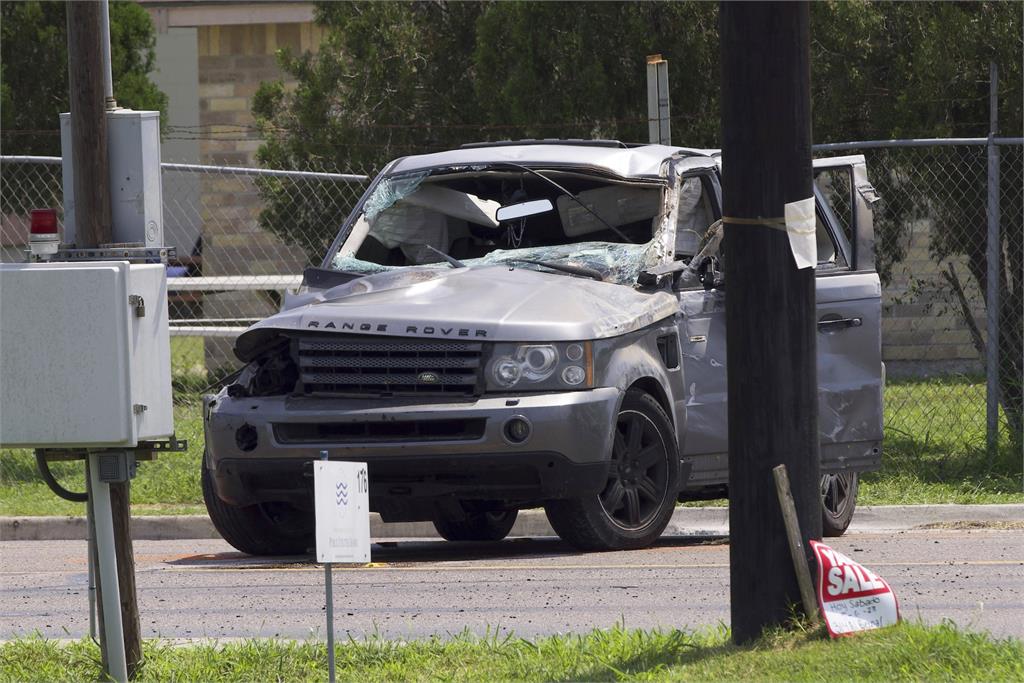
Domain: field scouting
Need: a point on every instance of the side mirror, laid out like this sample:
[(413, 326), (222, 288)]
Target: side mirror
[(511, 212)]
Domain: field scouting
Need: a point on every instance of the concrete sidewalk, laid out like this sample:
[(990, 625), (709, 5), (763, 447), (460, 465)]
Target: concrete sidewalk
[(685, 522)]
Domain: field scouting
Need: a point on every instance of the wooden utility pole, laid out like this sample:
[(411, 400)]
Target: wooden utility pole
[(120, 497), (770, 316), (88, 125), (87, 72)]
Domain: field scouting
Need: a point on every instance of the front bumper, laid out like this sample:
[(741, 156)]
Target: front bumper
[(259, 448)]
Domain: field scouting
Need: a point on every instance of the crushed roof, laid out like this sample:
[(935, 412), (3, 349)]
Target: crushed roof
[(632, 162)]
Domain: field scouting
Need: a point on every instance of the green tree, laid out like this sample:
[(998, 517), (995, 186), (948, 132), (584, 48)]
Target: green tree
[(34, 87), (34, 63)]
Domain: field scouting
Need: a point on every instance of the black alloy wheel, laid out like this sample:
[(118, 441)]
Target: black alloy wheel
[(638, 479), (639, 495), (838, 502)]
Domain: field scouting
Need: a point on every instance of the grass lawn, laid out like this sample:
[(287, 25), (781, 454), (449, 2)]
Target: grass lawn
[(167, 485), (934, 448), (933, 453), (908, 652)]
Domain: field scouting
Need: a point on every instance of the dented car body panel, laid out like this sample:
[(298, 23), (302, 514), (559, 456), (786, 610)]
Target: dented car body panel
[(424, 403)]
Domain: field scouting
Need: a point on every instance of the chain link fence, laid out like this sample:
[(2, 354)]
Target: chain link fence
[(931, 231), (243, 236)]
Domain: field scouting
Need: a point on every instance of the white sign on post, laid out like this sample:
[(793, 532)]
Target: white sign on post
[(852, 597), (342, 505)]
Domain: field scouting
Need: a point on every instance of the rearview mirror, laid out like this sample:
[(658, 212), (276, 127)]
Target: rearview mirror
[(511, 212)]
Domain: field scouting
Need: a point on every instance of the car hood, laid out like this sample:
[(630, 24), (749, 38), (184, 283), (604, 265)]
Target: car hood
[(492, 303)]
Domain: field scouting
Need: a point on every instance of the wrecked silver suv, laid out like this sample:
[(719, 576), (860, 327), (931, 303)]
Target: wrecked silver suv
[(536, 324)]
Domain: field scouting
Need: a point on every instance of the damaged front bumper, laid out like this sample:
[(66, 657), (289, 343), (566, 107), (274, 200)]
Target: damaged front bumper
[(512, 448)]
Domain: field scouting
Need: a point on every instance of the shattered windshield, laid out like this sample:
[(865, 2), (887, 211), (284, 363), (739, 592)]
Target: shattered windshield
[(609, 227)]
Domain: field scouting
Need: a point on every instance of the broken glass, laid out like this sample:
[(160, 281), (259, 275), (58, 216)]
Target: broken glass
[(390, 191), (618, 263)]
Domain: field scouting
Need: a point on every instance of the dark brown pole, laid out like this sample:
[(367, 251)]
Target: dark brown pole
[(93, 228), (120, 494), (773, 409), (88, 125)]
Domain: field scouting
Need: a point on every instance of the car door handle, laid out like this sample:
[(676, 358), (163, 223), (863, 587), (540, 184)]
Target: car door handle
[(834, 324)]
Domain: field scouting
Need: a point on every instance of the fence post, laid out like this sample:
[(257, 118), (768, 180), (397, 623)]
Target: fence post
[(992, 272)]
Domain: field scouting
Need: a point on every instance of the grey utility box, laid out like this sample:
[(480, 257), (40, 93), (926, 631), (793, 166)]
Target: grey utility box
[(136, 194), (84, 355)]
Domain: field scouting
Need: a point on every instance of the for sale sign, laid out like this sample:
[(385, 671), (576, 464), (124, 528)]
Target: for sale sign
[(342, 503), (852, 597)]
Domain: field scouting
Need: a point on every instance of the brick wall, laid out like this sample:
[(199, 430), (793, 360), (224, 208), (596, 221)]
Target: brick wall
[(233, 60), (922, 328)]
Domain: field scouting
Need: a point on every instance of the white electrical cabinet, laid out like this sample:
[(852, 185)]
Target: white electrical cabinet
[(84, 355)]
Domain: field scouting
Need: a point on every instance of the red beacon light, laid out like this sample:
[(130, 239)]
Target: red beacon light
[(44, 239)]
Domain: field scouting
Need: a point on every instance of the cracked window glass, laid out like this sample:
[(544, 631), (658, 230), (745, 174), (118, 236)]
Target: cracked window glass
[(609, 227)]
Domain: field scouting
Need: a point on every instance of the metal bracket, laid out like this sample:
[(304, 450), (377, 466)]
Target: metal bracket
[(171, 445), (144, 450), (138, 303), (113, 252)]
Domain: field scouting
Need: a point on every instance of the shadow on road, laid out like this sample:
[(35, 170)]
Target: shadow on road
[(414, 551)]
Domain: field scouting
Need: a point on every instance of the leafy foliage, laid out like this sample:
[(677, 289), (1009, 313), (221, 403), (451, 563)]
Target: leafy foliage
[(391, 78), (34, 59), (34, 84)]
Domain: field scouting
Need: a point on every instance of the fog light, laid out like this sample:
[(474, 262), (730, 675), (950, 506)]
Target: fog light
[(246, 438), (517, 430)]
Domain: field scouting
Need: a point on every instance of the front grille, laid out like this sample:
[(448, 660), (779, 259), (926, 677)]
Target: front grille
[(375, 365), (390, 431)]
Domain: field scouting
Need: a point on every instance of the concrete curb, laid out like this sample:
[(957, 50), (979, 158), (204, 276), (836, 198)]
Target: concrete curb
[(685, 522)]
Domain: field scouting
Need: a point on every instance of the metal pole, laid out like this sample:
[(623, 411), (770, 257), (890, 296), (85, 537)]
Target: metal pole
[(653, 127), (108, 78), (658, 116), (992, 272), (91, 549), (110, 592), (329, 588), (664, 116), (329, 591)]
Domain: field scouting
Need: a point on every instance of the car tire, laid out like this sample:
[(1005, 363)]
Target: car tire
[(640, 493), (476, 526), (261, 529), (838, 502)]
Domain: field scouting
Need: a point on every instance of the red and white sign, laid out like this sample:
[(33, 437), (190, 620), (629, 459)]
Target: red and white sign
[(852, 597)]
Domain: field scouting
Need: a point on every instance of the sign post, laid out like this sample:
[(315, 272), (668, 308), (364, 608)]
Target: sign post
[(342, 506)]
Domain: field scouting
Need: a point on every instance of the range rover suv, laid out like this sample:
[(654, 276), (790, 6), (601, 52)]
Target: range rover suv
[(535, 324)]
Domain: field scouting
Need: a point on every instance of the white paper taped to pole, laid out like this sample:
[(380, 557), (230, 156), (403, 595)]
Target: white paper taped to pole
[(800, 226)]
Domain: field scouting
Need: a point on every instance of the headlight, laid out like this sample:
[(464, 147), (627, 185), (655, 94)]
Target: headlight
[(536, 367), (507, 372), (538, 362)]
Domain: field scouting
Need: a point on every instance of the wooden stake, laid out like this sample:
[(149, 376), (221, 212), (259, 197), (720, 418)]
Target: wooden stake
[(796, 544)]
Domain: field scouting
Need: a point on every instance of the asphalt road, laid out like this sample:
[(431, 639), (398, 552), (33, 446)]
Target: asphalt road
[(202, 589)]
